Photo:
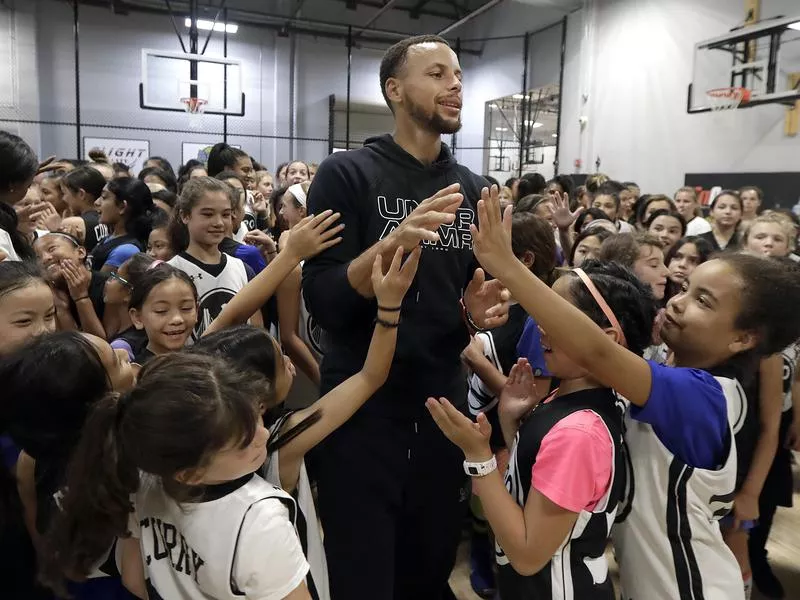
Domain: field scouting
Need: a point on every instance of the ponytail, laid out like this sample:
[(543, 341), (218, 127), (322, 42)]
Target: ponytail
[(96, 504)]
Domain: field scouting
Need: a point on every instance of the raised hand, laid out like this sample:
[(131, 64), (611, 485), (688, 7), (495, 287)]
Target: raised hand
[(487, 301), (519, 396), (27, 214), (491, 239), (77, 279), (472, 438), (313, 234), (263, 241), (49, 217), (391, 288), (563, 217), (260, 204), (424, 221)]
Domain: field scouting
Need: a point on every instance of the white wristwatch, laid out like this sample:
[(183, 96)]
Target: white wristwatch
[(480, 469)]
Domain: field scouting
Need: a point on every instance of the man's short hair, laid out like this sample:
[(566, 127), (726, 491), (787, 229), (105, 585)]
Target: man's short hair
[(395, 58)]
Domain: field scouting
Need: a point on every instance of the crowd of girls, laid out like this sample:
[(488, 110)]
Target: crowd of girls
[(152, 324)]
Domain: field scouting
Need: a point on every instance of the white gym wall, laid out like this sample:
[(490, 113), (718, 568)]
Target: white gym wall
[(633, 61)]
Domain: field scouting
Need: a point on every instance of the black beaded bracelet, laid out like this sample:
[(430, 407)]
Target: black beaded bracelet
[(387, 324), (387, 309)]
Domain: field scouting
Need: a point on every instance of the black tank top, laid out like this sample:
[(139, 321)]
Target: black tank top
[(584, 543)]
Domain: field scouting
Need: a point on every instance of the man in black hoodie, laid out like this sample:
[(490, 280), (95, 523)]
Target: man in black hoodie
[(391, 488)]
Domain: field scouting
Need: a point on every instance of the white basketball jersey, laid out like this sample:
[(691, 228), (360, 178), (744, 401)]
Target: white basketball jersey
[(216, 285), (194, 551), (309, 331), (479, 397), (306, 523), (668, 542)]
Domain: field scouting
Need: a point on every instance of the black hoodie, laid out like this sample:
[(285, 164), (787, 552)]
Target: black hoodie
[(375, 188)]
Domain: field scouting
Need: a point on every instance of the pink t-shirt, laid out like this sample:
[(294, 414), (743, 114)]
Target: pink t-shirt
[(574, 463)]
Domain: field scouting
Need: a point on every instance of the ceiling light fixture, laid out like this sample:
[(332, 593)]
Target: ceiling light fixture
[(501, 128), (208, 25)]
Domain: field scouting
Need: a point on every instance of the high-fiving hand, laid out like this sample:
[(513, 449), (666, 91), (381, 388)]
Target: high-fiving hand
[(314, 234), (391, 287), (491, 239), (424, 221)]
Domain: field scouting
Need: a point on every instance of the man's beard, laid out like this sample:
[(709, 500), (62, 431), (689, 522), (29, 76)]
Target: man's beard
[(431, 121)]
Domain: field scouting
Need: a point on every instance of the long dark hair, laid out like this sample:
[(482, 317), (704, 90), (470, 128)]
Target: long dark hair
[(600, 233), (162, 163), (147, 281), (275, 199), (45, 414), (770, 295), (223, 157), (186, 407), (18, 162), (166, 176), (530, 233), (630, 300), (253, 349), (593, 212), (88, 179), (139, 209), (704, 251), (185, 172)]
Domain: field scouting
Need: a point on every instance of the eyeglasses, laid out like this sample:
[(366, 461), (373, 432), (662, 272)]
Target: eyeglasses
[(121, 279)]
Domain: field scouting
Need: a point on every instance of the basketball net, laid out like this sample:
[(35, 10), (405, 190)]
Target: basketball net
[(723, 103), (721, 99), (194, 107)]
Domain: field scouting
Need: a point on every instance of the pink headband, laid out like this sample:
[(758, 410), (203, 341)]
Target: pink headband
[(601, 302), (154, 264)]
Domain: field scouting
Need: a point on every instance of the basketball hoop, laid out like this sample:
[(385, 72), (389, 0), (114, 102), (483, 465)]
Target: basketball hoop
[(727, 98), (194, 107)]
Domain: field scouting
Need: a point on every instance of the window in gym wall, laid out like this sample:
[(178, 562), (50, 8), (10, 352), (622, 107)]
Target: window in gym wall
[(522, 127)]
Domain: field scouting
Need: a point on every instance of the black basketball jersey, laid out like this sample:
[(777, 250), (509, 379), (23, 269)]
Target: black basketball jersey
[(577, 569)]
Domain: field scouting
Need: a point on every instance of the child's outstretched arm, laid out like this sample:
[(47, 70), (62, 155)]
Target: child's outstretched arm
[(338, 405), (310, 236), (580, 338), (528, 535)]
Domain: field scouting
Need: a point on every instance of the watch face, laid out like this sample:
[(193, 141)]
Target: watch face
[(473, 470)]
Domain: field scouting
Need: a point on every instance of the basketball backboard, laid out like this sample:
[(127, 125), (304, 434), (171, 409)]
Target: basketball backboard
[(168, 77), (761, 58)]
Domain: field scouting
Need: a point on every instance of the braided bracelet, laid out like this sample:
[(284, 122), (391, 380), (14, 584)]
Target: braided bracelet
[(387, 324)]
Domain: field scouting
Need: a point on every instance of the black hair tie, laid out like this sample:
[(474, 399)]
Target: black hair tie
[(388, 309)]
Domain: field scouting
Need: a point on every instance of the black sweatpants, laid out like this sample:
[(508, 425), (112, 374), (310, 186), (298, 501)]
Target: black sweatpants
[(392, 499)]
